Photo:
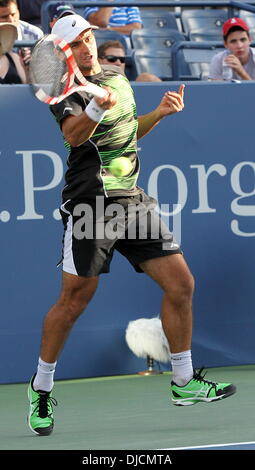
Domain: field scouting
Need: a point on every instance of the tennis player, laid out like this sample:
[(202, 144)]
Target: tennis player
[(97, 130)]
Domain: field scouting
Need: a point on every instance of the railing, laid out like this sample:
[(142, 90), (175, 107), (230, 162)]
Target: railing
[(24, 43), (231, 5), (207, 46), (176, 47)]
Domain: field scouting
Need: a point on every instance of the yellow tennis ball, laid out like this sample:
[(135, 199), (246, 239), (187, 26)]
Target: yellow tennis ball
[(121, 166)]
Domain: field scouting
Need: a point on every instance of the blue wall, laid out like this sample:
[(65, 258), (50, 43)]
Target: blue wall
[(202, 158)]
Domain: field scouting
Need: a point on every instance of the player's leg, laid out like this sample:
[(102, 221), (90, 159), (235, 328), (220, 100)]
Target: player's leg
[(75, 295), (84, 258), (174, 277), (155, 251), (188, 387)]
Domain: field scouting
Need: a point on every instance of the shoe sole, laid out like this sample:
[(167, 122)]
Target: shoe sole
[(41, 431), (189, 402)]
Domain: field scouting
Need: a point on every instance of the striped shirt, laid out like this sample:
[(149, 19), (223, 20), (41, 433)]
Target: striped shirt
[(28, 32), (121, 16), (88, 173)]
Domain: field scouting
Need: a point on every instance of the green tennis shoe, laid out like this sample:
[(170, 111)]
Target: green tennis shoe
[(40, 418), (198, 389)]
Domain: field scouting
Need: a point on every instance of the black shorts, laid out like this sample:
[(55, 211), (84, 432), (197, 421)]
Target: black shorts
[(93, 229)]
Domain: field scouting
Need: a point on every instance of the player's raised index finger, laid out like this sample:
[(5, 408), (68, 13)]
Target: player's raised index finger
[(181, 90)]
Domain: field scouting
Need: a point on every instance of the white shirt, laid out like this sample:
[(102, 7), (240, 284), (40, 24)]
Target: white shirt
[(216, 70)]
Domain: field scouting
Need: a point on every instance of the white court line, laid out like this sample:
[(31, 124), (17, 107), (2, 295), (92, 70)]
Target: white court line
[(210, 445)]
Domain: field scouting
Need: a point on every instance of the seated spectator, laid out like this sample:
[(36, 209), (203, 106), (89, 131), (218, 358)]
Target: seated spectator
[(59, 10), (237, 62), (30, 10), (9, 13), (121, 19), (113, 53), (12, 68), (147, 77)]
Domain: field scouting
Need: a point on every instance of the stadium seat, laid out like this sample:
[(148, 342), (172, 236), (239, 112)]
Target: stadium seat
[(103, 35), (144, 39), (201, 21), (158, 18), (158, 63), (130, 66), (197, 57), (206, 35), (249, 18)]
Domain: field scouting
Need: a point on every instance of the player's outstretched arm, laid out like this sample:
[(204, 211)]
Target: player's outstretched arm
[(171, 103)]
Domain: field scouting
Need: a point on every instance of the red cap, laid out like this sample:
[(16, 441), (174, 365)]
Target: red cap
[(234, 22)]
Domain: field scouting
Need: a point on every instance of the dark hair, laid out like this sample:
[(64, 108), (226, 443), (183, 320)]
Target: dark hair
[(233, 29), (105, 45), (5, 3)]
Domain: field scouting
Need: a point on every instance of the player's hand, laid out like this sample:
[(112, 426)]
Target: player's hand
[(172, 102), (109, 100)]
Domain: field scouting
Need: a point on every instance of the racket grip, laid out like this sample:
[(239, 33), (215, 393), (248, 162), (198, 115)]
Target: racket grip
[(96, 90)]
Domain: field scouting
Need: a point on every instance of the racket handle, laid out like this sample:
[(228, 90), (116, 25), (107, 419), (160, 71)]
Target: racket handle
[(96, 90)]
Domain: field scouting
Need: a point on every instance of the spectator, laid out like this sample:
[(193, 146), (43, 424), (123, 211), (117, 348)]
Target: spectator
[(121, 19), (59, 10), (30, 10), (12, 69), (113, 53), (238, 61), (9, 12), (148, 77)]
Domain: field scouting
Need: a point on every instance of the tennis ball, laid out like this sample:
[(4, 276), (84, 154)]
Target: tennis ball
[(121, 166)]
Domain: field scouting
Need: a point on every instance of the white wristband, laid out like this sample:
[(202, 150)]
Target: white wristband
[(94, 111)]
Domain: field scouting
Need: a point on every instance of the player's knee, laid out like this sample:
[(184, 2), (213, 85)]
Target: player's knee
[(76, 306), (189, 285), (182, 290), (76, 300)]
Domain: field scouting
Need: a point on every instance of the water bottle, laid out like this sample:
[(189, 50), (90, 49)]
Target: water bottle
[(227, 72)]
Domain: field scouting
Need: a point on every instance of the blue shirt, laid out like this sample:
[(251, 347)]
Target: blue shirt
[(121, 16)]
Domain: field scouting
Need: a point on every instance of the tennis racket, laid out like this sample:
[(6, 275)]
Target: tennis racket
[(54, 74)]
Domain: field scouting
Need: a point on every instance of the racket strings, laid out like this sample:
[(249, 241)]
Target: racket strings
[(48, 69)]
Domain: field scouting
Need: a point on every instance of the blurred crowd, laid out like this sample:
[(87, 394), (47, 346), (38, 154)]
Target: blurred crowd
[(21, 20)]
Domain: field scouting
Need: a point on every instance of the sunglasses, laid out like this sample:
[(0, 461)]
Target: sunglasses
[(114, 58)]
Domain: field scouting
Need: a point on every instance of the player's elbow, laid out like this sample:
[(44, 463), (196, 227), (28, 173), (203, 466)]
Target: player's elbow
[(70, 133), (72, 139), (74, 143)]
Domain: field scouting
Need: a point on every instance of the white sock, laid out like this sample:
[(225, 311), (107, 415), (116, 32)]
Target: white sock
[(44, 376), (182, 367)]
